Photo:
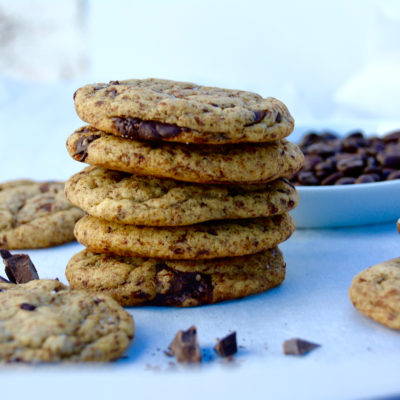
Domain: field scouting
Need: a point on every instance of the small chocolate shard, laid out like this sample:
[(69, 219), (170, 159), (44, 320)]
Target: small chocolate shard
[(278, 117), (185, 346), (19, 267), (27, 307), (227, 346), (258, 115), (4, 280), (81, 147), (298, 346)]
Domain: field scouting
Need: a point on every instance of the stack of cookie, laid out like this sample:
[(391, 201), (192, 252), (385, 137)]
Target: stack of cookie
[(186, 193)]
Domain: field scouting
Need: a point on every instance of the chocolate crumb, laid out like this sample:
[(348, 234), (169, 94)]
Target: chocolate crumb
[(27, 307), (185, 346), (298, 346), (18, 267), (227, 346)]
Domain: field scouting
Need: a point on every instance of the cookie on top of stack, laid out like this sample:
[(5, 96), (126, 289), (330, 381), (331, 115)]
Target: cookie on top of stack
[(186, 195)]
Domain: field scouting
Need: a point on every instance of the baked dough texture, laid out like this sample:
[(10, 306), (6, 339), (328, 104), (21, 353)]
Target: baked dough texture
[(158, 109), (202, 241), (140, 200), (35, 215), (244, 163), (375, 292), (135, 281), (44, 321)]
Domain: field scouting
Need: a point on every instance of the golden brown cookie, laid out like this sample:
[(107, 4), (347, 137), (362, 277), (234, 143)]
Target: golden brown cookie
[(43, 320), (35, 214), (244, 163), (142, 200), (157, 109), (376, 292), (201, 241), (134, 281)]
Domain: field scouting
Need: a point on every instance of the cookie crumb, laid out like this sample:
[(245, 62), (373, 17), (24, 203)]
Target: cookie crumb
[(227, 346), (185, 346), (298, 346)]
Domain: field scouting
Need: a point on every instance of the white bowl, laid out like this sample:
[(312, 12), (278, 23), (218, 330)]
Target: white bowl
[(347, 205)]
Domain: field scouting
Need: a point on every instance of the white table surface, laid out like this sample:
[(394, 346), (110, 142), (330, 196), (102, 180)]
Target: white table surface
[(358, 357)]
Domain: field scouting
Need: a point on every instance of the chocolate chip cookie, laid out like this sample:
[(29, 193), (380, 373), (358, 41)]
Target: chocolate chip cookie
[(134, 281), (43, 320), (141, 200), (157, 109), (34, 215), (201, 241), (245, 163), (376, 292)]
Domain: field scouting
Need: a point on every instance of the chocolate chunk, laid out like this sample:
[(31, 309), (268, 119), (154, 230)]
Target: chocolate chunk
[(27, 307), (278, 117), (181, 286), (19, 267), (227, 346), (135, 128), (298, 346), (81, 147), (258, 115), (185, 346), (114, 83)]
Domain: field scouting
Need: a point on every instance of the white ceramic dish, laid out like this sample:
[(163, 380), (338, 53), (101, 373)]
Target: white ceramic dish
[(347, 205)]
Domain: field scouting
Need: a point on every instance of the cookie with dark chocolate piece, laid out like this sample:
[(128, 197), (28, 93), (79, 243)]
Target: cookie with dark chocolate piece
[(181, 283), (159, 109)]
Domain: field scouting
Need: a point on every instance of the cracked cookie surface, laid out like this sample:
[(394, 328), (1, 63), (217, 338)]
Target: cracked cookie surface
[(44, 321), (134, 281), (375, 292), (141, 200), (34, 215), (157, 109), (244, 163), (202, 241)]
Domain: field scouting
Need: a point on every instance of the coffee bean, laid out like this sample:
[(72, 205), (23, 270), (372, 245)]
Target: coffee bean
[(389, 160), (393, 175), (310, 161), (307, 178), (366, 178), (354, 159), (332, 178), (351, 166), (346, 180)]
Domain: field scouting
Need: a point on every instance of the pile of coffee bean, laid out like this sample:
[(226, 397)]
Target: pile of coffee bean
[(355, 158)]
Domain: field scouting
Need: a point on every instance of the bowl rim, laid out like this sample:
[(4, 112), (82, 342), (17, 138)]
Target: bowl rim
[(349, 187)]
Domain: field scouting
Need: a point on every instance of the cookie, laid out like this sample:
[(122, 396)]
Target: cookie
[(201, 241), (141, 200), (34, 215), (375, 292), (43, 320), (134, 281), (157, 109), (245, 163)]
